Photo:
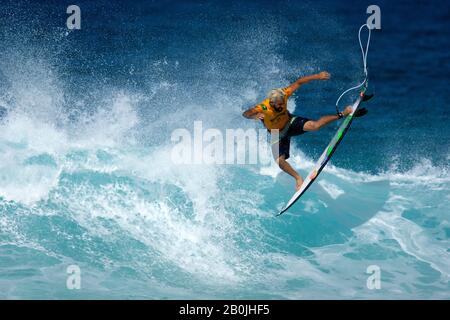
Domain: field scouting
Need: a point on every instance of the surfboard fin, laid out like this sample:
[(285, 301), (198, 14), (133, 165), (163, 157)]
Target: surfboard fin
[(367, 97)]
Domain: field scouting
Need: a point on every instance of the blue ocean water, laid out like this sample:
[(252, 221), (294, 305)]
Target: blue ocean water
[(86, 176)]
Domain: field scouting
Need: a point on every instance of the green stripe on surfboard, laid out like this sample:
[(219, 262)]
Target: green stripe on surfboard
[(339, 135)]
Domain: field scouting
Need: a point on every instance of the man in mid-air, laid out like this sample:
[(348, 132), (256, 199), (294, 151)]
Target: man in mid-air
[(275, 116)]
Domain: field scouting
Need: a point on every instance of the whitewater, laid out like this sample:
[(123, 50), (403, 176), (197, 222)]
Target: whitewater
[(140, 227), (86, 179)]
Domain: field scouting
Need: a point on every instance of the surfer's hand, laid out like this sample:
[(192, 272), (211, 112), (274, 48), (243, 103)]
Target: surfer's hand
[(259, 116), (324, 75)]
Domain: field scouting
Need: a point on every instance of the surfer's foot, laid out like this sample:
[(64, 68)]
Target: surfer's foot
[(367, 97), (358, 113), (298, 183), (347, 111), (361, 112)]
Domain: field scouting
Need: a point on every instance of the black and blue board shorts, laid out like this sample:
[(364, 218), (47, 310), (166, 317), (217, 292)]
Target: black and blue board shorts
[(295, 128)]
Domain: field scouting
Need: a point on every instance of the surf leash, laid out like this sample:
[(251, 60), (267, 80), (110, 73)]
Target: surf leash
[(366, 74)]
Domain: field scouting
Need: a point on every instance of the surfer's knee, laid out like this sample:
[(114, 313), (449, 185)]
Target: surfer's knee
[(281, 160), (311, 126)]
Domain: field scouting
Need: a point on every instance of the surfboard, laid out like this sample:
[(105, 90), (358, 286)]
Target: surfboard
[(326, 155)]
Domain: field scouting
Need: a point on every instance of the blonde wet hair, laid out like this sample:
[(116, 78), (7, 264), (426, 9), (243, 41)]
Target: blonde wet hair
[(276, 95)]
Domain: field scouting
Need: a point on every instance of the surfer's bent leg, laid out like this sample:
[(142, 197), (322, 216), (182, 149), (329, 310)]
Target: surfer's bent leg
[(312, 125), (280, 151), (286, 167)]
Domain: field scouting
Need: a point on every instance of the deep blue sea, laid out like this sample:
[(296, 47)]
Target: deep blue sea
[(86, 176)]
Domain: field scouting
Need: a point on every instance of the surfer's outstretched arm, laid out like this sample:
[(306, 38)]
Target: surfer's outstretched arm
[(319, 76), (253, 113)]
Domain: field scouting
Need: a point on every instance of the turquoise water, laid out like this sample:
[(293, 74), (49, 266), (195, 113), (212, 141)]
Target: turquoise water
[(86, 176), (200, 232)]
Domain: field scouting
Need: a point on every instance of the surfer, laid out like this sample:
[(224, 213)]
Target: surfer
[(275, 116)]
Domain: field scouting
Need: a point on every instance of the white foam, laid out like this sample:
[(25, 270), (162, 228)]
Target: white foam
[(310, 206), (333, 190), (271, 171), (21, 138), (410, 236), (111, 124)]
